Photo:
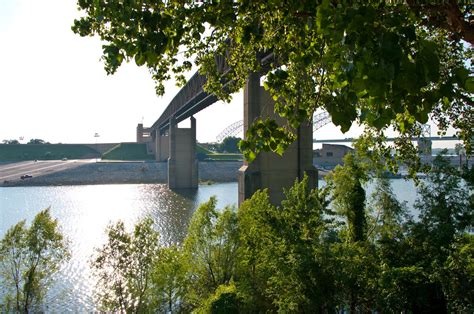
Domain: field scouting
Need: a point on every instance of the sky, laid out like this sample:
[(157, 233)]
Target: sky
[(53, 85)]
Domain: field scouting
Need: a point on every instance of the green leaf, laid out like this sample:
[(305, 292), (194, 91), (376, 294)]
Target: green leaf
[(280, 150), (429, 60), (140, 59), (249, 155), (462, 74), (470, 85)]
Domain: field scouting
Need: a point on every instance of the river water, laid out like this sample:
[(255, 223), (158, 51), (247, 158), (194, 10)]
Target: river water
[(84, 212)]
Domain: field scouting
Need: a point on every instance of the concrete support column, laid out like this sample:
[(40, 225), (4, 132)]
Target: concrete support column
[(270, 170), (156, 140), (161, 146), (182, 162), (172, 154), (151, 145), (194, 163)]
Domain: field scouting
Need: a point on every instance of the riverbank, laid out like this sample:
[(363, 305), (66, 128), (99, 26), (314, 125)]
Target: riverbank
[(104, 172)]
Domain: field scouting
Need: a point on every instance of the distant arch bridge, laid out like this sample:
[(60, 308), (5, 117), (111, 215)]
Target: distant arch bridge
[(319, 120)]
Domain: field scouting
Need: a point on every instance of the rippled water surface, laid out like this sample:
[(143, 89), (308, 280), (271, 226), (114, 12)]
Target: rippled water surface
[(84, 212)]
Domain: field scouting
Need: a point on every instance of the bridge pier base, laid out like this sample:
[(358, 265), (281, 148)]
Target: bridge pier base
[(270, 170), (182, 162)]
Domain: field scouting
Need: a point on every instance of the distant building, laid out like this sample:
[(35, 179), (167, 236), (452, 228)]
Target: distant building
[(330, 155), (144, 136)]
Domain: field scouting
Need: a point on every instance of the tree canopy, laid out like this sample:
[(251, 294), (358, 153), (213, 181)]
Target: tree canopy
[(37, 141), (10, 141), (382, 64), (230, 144), (123, 267), (29, 259)]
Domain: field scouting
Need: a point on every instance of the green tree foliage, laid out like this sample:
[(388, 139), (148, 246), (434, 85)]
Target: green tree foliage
[(388, 214), (355, 268), (319, 251), (168, 281), (230, 144), (444, 206), (124, 266), (354, 257), (391, 264), (210, 250), (10, 142), (349, 196), (461, 152), (457, 275), (29, 257), (37, 141), (225, 300), (468, 175), (396, 279), (283, 256), (417, 257), (379, 63)]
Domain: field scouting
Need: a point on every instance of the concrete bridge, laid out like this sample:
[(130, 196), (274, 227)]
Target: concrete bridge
[(177, 145)]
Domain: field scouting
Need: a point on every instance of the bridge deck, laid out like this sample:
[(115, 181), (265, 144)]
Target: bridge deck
[(192, 98)]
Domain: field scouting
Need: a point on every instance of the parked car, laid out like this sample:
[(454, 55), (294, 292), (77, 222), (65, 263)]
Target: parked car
[(26, 176)]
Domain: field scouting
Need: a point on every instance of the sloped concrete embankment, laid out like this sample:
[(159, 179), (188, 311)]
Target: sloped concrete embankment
[(129, 172)]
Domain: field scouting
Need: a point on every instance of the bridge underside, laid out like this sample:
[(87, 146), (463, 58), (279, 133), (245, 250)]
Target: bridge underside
[(268, 170)]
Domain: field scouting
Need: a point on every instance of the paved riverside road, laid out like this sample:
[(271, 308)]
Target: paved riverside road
[(11, 172)]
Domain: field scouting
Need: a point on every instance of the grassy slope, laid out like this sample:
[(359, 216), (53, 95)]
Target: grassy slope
[(124, 151), (217, 156), (15, 152), (128, 151)]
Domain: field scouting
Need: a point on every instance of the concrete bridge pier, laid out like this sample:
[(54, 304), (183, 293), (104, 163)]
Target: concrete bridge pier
[(269, 170), (162, 146), (182, 161)]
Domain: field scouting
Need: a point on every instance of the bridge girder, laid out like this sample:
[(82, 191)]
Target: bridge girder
[(190, 99)]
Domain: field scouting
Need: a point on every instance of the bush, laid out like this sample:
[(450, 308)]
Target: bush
[(224, 300)]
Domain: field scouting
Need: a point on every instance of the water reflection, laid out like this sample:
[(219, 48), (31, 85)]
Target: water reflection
[(171, 211)]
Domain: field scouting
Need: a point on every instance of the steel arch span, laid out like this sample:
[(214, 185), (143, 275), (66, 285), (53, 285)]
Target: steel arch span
[(319, 120), (232, 130)]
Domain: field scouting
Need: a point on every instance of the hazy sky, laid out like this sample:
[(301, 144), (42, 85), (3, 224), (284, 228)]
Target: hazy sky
[(53, 85)]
